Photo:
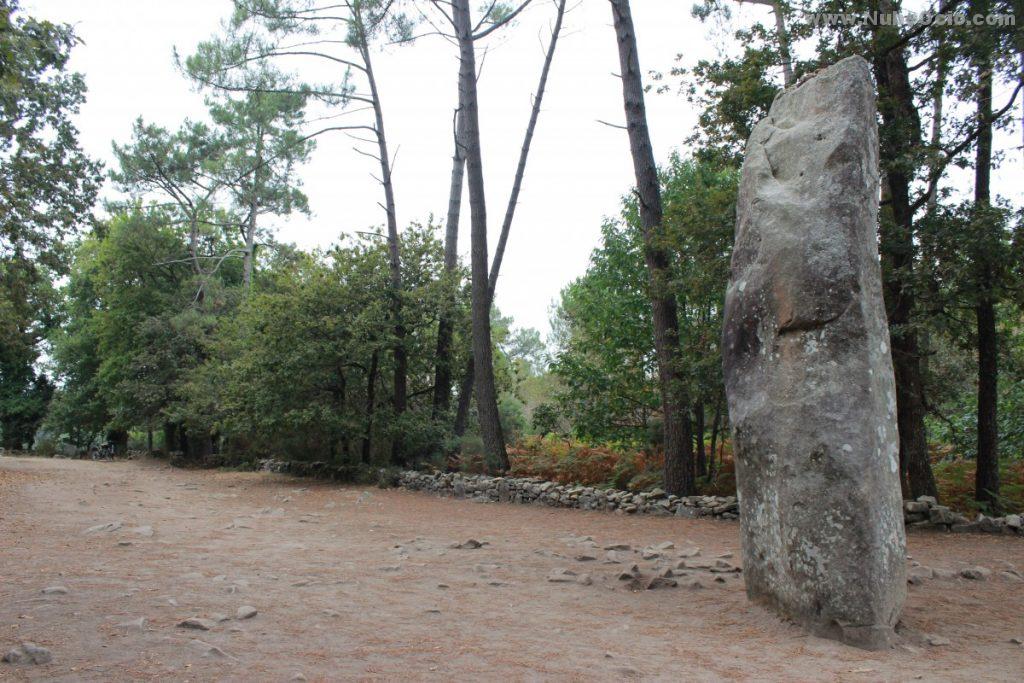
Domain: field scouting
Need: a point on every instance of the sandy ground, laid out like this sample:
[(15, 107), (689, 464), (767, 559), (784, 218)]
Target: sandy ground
[(362, 584)]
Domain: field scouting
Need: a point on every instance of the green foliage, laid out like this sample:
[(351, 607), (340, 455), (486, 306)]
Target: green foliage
[(301, 371), (49, 184), (605, 356), (546, 419), (46, 194)]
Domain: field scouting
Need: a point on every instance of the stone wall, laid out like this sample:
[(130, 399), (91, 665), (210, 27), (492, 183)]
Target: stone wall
[(539, 491), (922, 513)]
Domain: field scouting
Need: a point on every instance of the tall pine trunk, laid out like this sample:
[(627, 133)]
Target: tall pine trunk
[(486, 391), (371, 383), (466, 385), (401, 370), (443, 356), (251, 224), (986, 485), (899, 134), (698, 420), (678, 472)]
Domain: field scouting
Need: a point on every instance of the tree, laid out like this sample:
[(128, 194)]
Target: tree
[(260, 30), (261, 129), (263, 148), (133, 332), (679, 473), (496, 16), (605, 355), (183, 169), (47, 191)]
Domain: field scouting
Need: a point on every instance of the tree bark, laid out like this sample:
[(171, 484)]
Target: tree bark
[(486, 392), (371, 380), (465, 397), (986, 485), (251, 224), (698, 419), (401, 390), (783, 36), (466, 386), (900, 133), (716, 424), (443, 360), (938, 92), (678, 473)]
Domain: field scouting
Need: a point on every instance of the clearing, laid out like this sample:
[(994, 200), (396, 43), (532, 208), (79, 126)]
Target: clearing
[(353, 583)]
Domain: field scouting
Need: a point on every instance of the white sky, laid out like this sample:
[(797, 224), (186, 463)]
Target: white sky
[(578, 168)]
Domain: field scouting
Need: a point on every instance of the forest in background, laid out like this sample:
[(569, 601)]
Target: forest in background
[(173, 318)]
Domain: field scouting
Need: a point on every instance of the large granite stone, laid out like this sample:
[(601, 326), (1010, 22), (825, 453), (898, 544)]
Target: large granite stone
[(808, 372)]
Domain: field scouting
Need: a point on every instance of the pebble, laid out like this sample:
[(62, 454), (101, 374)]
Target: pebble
[(245, 612), (28, 653), (937, 641), (109, 526), (469, 544), (585, 558), (691, 551), (54, 590), (562, 576), (975, 573), (196, 623), (614, 557), (207, 649), (661, 582)]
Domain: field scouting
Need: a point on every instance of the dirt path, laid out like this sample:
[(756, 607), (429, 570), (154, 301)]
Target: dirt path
[(354, 584)]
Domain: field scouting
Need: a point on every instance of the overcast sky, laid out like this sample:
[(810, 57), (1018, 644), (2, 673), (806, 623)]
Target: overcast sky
[(578, 168)]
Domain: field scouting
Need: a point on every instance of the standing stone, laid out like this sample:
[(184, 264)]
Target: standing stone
[(808, 373)]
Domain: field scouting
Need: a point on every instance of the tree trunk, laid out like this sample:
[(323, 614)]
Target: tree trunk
[(443, 360), (716, 424), (170, 438), (466, 386), (400, 399), (938, 92), (986, 487), (371, 380), (250, 228), (900, 133), (678, 472), (698, 419), (149, 441), (465, 397), (486, 392)]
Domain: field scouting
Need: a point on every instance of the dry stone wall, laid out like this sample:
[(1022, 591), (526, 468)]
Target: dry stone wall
[(922, 513)]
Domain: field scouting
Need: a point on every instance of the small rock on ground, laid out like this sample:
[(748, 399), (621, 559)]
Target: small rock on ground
[(28, 653), (975, 573), (245, 612), (196, 623), (207, 649)]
